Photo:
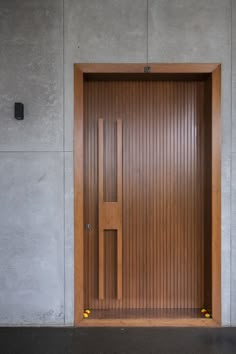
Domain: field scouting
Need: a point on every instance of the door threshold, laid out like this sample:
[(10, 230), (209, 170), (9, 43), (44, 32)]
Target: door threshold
[(163, 322), (186, 317)]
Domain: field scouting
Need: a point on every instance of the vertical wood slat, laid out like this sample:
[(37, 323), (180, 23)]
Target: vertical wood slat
[(79, 194), (101, 199), (110, 213), (119, 235), (216, 193), (207, 170)]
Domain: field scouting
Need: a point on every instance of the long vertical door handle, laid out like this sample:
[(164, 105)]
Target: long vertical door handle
[(119, 202), (101, 246), (110, 213)]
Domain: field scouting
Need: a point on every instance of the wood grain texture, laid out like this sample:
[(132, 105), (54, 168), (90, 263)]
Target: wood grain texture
[(216, 194), (207, 196), (147, 322), (119, 235), (78, 195), (101, 249), (145, 313), (163, 192), (155, 68), (82, 261), (110, 213)]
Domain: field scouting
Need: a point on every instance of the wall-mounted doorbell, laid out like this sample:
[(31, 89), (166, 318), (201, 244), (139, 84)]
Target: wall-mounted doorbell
[(19, 111)]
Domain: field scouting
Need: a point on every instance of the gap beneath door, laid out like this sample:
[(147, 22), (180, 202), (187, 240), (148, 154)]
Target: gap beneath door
[(145, 313)]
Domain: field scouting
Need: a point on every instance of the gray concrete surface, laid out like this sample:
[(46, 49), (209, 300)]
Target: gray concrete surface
[(69, 238), (32, 238), (233, 254), (31, 71), (233, 196), (39, 43)]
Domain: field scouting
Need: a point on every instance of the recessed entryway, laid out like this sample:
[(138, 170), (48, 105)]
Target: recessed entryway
[(147, 194)]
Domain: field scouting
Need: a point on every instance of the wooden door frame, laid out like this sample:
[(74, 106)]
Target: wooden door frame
[(79, 70)]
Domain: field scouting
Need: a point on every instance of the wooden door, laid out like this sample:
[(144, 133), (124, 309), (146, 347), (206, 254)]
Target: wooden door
[(163, 192)]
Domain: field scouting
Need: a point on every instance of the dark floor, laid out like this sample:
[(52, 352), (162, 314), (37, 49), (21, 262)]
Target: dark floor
[(117, 340)]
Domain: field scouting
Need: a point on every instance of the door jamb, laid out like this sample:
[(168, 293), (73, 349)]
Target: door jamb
[(79, 71)]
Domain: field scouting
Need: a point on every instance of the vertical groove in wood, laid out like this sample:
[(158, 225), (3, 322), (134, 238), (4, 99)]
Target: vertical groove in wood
[(163, 192), (216, 192), (207, 152), (78, 194), (101, 245), (119, 182)]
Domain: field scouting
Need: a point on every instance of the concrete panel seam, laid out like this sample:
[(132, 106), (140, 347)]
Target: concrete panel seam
[(231, 108), (64, 163)]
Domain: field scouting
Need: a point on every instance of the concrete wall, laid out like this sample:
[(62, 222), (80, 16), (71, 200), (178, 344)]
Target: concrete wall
[(32, 163), (39, 42), (233, 171)]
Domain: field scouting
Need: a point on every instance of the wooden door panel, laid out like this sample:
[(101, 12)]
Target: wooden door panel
[(163, 192)]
